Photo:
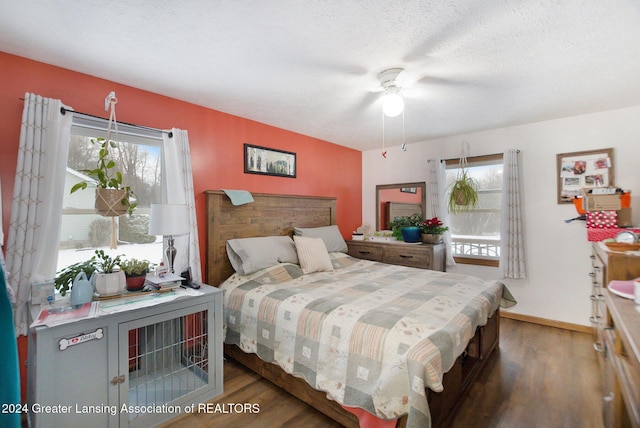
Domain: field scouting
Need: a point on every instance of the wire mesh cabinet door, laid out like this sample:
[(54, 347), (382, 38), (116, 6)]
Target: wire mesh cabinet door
[(169, 362)]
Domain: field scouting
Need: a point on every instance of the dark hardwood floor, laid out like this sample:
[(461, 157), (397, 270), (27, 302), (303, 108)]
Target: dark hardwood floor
[(540, 377)]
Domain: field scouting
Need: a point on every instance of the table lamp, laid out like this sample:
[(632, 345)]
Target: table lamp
[(169, 220)]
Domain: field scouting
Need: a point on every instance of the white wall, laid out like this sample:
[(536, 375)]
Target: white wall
[(558, 283)]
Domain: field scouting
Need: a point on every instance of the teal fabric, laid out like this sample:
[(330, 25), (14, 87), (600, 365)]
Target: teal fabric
[(239, 197), (9, 369)]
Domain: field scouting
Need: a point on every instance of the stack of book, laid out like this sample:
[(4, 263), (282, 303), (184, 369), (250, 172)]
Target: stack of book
[(164, 282)]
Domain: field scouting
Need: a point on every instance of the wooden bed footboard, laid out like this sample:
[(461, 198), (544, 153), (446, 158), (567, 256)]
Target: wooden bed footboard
[(442, 405)]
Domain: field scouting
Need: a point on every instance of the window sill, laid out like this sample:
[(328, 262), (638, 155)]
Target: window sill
[(477, 262)]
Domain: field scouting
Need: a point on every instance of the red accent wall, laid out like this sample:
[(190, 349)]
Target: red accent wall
[(216, 140)]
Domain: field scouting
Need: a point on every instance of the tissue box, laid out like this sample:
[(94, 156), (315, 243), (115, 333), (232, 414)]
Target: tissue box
[(41, 291)]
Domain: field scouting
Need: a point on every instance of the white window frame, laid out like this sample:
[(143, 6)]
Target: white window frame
[(96, 127), (486, 249)]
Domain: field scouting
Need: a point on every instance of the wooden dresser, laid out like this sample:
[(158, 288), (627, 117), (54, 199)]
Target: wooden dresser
[(423, 256), (616, 323), (622, 363)]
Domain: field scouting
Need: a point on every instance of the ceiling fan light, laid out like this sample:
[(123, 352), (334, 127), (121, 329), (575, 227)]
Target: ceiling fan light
[(392, 104)]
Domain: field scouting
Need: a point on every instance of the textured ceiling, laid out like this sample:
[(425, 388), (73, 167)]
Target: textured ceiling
[(310, 66)]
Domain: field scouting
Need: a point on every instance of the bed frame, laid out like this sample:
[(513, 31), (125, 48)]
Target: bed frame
[(271, 215)]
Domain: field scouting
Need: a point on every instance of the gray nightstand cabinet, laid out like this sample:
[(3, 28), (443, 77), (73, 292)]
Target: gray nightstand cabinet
[(136, 367), (423, 256)]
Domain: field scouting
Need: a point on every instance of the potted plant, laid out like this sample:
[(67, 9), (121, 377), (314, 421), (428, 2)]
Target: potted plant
[(407, 228), (464, 190), (65, 277), (432, 230), (113, 197), (464, 193), (135, 272), (108, 279)]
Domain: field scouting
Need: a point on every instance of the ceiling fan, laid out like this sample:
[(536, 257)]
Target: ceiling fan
[(392, 101)]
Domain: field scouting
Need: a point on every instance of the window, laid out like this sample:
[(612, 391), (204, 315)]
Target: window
[(475, 235), (82, 229)]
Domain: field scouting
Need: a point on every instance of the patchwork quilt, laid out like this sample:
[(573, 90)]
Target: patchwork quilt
[(370, 335)]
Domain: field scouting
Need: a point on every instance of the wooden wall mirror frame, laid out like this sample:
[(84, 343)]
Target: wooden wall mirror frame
[(407, 192)]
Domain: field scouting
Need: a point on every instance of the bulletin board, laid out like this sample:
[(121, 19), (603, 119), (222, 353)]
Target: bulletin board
[(578, 170)]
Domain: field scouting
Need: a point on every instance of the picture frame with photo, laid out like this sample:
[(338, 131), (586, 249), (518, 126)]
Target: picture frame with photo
[(268, 161), (585, 169)]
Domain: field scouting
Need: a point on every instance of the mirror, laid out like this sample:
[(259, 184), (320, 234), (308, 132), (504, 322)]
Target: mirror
[(402, 199)]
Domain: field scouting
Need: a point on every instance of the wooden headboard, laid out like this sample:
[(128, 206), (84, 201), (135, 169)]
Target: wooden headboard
[(268, 215)]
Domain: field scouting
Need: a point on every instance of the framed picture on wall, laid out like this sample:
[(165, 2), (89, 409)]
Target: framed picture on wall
[(409, 189), (267, 161), (578, 170)]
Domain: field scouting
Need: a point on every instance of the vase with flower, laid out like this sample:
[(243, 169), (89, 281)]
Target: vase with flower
[(432, 230)]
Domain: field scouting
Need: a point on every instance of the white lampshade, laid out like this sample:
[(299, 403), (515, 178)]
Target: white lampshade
[(169, 219), (392, 103)]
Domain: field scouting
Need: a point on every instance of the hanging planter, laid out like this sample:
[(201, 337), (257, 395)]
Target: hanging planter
[(111, 202), (113, 197), (464, 190)]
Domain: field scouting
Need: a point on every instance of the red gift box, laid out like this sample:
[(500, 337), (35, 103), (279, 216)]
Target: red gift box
[(598, 235), (602, 219)]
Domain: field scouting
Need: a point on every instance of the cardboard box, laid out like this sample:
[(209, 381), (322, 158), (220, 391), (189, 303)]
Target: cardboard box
[(624, 217), (605, 202)]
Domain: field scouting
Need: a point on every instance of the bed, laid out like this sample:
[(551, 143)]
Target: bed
[(444, 353)]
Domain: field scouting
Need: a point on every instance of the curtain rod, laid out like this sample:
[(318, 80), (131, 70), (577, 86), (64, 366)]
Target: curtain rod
[(64, 111)]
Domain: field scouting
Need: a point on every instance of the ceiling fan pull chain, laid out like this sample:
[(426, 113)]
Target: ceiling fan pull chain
[(403, 146), (384, 152)]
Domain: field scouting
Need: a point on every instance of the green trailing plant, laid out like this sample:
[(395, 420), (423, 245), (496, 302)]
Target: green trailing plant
[(464, 193), (64, 278), (135, 267), (100, 262), (106, 174)]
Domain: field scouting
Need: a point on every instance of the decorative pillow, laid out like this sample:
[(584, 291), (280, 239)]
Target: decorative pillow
[(248, 255), (330, 235), (312, 254)]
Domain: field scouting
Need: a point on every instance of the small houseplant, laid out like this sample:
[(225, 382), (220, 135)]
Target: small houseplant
[(135, 272), (407, 228), (113, 197), (109, 278), (100, 262), (432, 230), (64, 278)]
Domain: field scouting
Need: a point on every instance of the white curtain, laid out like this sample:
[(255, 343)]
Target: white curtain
[(177, 164), (437, 201), (512, 248), (34, 229)]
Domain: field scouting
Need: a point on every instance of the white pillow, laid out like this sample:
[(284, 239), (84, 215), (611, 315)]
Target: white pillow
[(312, 255), (330, 235), (248, 255)]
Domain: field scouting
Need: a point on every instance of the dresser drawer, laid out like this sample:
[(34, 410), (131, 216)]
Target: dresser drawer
[(365, 251), (423, 256), (406, 255)]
